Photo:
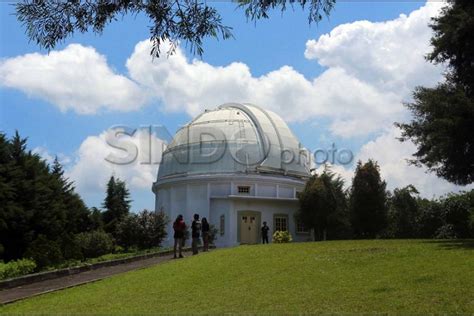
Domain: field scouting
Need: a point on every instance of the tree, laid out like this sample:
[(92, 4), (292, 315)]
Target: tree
[(368, 201), (49, 22), (443, 116), (430, 218), (116, 204), (35, 201), (322, 206), (143, 230), (457, 213), (403, 212)]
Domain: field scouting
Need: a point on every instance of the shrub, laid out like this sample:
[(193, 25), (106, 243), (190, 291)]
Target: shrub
[(44, 252), (280, 237), (70, 248), (127, 232), (446, 232), (213, 231), (95, 243), (143, 230), (16, 268)]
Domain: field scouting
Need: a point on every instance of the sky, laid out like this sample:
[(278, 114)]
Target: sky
[(342, 81)]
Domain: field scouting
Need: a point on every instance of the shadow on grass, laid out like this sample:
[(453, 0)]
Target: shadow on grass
[(448, 244)]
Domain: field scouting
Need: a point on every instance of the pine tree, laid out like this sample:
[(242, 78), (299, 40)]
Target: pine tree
[(116, 204), (35, 200), (368, 201)]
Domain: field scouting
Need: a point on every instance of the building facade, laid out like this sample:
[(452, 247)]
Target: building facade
[(239, 166)]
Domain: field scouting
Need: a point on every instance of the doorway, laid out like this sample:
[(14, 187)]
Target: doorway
[(249, 226)]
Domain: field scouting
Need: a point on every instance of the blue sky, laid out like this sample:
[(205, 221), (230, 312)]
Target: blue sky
[(365, 47)]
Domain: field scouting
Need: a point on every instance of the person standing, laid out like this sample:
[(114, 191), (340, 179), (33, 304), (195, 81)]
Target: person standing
[(179, 228), (205, 234), (265, 230), (195, 233)]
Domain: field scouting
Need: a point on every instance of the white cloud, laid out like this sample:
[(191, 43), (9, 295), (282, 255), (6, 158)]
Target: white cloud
[(191, 86), (76, 78), (48, 157), (388, 55), (371, 69), (392, 156), (90, 170)]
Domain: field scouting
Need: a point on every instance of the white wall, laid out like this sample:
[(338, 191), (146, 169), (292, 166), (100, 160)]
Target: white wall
[(211, 199)]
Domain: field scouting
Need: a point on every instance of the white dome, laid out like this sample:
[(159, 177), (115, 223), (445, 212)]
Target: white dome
[(234, 138)]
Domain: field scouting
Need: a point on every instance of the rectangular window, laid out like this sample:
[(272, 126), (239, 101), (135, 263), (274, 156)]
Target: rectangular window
[(281, 222), (300, 228), (243, 189), (222, 225)]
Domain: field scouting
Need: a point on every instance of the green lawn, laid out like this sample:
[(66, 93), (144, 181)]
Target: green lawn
[(373, 276)]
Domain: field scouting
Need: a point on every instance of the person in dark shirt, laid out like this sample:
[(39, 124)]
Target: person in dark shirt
[(205, 234), (195, 233), (265, 230), (179, 228)]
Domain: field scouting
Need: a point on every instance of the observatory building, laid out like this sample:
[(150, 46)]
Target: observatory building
[(239, 166)]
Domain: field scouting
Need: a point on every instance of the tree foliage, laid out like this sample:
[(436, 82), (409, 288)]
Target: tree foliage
[(443, 116), (368, 201), (143, 230), (441, 129), (403, 212), (37, 203), (116, 204), (323, 207), (49, 22)]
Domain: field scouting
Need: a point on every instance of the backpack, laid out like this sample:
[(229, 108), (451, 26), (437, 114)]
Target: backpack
[(196, 228)]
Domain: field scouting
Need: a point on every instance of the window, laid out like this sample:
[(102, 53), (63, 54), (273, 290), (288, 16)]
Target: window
[(300, 228), (281, 222), (243, 189), (222, 225)]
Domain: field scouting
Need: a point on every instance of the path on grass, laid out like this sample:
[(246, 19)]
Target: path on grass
[(42, 287)]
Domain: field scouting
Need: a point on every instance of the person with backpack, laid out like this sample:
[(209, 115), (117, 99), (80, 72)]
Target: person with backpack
[(205, 234), (195, 233), (179, 228)]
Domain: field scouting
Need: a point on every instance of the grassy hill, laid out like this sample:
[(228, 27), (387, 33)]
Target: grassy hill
[(373, 276)]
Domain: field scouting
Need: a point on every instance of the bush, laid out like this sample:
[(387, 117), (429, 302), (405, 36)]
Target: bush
[(95, 243), (44, 252), (280, 237), (143, 230), (446, 232), (16, 268), (70, 248), (213, 231)]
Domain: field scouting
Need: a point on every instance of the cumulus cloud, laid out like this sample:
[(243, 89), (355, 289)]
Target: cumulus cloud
[(392, 157), (194, 85), (388, 55), (100, 156), (44, 153), (76, 78), (371, 69)]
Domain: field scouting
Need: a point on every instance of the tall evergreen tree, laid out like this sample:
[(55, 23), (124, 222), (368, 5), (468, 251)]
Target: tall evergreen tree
[(35, 201), (116, 204), (368, 201)]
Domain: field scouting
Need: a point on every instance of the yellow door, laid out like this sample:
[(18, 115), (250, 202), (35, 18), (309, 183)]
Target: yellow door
[(248, 229)]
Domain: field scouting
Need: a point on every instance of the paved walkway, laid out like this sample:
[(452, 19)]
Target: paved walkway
[(42, 287)]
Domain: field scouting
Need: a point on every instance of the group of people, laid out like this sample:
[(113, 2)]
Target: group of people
[(198, 228)]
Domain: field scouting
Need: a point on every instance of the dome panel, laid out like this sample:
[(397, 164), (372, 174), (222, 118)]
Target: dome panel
[(234, 138)]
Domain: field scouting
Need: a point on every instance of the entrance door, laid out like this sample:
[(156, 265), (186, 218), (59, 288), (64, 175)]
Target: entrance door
[(248, 229)]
